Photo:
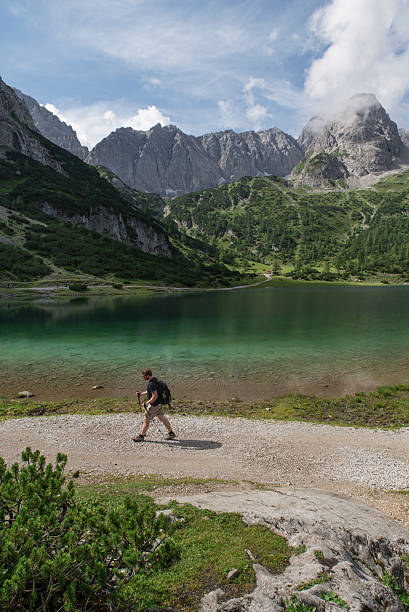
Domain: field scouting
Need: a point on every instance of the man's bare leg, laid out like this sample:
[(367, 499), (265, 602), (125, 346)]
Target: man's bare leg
[(145, 427), (165, 421)]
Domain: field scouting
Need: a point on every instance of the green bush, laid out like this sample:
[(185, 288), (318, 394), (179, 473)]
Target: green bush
[(78, 287), (19, 264), (59, 554)]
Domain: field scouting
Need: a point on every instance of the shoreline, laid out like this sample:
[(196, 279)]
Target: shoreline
[(37, 292), (385, 408), (245, 388)]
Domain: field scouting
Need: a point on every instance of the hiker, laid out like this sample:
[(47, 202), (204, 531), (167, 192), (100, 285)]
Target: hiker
[(153, 406)]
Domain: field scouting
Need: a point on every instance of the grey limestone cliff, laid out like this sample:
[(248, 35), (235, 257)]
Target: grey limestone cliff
[(50, 126), (118, 218), (404, 134), (252, 153), (127, 228), (167, 161), (17, 129), (359, 140)]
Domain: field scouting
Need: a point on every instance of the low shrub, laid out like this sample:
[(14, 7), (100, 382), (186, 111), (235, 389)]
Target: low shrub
[(78, 287), (60, 554)]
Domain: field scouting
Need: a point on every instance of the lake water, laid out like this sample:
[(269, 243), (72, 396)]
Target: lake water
[(246, 343)]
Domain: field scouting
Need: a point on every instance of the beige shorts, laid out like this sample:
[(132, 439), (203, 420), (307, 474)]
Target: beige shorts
[(154, 411)]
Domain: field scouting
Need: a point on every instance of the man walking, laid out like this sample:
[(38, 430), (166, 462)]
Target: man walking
[(153, 407)]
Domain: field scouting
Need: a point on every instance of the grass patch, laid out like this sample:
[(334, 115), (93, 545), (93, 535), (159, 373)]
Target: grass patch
[(320, 579), (402, 594), (387, 407), (293, 605), (209, 546), (331, 596), (143, 483), (299, 550)]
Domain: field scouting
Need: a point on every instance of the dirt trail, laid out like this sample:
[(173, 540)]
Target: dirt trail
[(363, 463)]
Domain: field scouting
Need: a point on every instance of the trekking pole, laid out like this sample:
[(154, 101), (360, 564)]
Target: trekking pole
[(146, 411)]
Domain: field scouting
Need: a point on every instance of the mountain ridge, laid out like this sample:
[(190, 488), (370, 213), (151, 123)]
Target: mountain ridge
[(167, 161), (351, 146)]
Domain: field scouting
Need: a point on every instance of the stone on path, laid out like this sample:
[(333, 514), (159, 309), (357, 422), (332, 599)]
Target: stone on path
[(25, 394)]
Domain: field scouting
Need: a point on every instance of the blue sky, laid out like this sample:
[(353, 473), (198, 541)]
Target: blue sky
[(204, 65)]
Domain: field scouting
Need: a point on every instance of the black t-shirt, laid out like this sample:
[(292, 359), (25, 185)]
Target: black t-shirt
[(153, 385)]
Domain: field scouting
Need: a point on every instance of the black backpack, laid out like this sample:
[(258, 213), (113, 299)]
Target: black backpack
[(164, 393)]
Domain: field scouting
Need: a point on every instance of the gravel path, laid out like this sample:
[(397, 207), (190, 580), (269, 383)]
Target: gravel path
[(299, 454)]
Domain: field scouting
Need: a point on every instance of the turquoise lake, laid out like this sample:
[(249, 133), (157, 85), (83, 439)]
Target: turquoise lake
[(245, 343)]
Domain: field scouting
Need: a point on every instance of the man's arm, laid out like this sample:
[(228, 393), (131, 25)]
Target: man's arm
[(153, 398)]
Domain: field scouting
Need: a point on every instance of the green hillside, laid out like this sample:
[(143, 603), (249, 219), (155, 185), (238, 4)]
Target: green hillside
[(149, 203), (213, 233), (341, 232), (33, 244)]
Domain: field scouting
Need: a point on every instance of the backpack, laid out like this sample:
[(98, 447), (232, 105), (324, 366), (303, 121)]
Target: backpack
[(164, 393)]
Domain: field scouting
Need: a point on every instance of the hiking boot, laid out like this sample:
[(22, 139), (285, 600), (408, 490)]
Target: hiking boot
[(171, 436), (140, 438)]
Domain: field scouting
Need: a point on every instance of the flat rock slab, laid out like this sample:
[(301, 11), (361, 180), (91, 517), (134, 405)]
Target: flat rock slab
[(352, 545), (311, 507)]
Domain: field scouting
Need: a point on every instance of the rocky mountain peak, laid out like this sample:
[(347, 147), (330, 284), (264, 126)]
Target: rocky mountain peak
[(17, 128), (167, 161), (50, 126), (360, 134), (12, 107)]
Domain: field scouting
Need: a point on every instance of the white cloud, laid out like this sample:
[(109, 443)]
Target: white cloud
[(230, 35), (366, 51), (94, 122), (154, 82), (273, 35), (159, 36), (231, 117), (257, 114), (281, 92), (53, 109), (248, 89), (261, 101)]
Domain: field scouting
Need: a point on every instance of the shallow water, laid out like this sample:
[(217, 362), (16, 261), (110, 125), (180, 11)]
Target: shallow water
[(247, 343)]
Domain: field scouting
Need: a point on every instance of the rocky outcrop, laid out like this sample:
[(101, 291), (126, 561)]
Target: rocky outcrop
[(321, 170), (116, 217), (361, 136), (17, 129), (129, 229), (50, 126), (345, 550), (404, 134), (252, 153), (166, 161)]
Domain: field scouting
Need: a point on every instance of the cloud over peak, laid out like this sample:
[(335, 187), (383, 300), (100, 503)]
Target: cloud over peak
[(366, 48), (92, 123)]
